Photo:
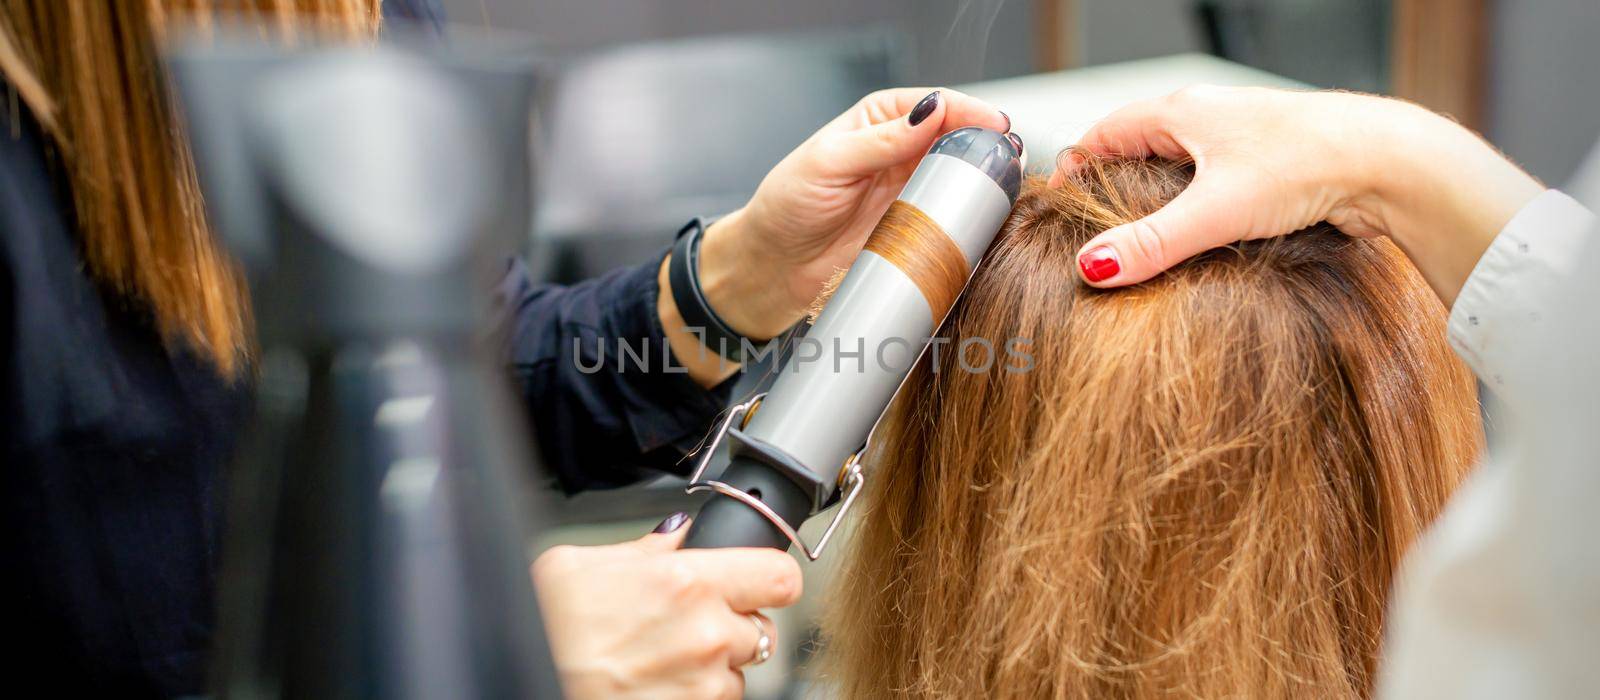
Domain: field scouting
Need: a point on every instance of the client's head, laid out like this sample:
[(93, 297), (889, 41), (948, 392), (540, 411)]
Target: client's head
[(1202, 486)]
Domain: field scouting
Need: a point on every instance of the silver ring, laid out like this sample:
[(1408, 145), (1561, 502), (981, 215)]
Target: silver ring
[(763, 645)]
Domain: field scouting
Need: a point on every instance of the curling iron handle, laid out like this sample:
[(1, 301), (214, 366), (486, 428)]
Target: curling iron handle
[(725, 522)]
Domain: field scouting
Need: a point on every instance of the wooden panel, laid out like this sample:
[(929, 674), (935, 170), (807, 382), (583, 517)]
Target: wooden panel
[(1055, 35), (1440, 54)]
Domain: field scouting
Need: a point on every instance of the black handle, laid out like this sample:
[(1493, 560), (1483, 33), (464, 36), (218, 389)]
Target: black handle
[(725, 522)]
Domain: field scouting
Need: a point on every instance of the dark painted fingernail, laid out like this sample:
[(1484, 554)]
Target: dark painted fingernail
[(1016, 142), (1008, 120), (673, 522), (924, 108), (1099, 264)]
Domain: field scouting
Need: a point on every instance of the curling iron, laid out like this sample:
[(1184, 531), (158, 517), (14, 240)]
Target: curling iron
[(796, 450)]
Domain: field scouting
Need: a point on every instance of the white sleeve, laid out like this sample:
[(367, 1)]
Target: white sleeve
[(1505, 300), (1501, 598)]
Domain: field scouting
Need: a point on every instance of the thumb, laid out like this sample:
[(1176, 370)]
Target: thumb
[(667, 536), (872, 149), (1202, 217)]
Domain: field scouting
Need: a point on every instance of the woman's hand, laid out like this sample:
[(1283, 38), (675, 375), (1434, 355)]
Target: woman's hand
[(642, 619), (1270, 162), (763, 265)]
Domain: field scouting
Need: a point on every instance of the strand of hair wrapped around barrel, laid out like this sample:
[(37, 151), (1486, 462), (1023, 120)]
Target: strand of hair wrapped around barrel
[(914, 243)]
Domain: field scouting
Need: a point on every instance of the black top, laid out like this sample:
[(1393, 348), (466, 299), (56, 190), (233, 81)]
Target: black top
[(112, 444)]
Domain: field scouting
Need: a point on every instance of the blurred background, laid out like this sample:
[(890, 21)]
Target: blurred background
[(738, 83), (662, 110)]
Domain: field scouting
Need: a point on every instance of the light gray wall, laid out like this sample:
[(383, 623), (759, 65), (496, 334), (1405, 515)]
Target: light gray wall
[(1331, 43), (1544, 83), (1123, 30), (954, 40)]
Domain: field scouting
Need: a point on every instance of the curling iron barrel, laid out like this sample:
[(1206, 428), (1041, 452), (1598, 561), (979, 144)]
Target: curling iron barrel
[(795, 450)]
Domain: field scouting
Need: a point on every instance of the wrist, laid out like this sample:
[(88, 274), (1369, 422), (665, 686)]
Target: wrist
[(703, 365), (1440, 192), (744, 285), (1435, 171)]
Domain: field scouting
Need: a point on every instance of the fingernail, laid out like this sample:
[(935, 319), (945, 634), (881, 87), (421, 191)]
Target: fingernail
[(1016, 142), (1099, 264), (673, 522), (1008, 120), (924, 108)]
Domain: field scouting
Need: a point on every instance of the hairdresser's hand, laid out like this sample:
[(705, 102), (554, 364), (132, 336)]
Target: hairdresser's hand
[(1270, 162), (813, 212), (643, 619)]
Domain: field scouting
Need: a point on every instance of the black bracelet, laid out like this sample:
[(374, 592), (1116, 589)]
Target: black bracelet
[(683, 273)]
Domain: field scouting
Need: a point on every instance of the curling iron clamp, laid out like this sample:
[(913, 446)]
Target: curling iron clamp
[(796, 449)]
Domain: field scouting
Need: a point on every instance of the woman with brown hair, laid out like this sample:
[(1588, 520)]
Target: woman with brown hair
[(126, 367), (1200, 486), (1498, 600)]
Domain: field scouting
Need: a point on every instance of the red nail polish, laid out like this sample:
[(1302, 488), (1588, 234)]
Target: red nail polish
[(1099, 264)]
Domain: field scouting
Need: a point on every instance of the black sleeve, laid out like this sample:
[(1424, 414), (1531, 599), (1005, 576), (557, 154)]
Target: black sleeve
[(591, 364)]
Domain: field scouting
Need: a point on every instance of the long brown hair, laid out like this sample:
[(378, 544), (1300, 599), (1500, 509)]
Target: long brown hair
[(908, 239), (1202, 486), (89, 73)]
